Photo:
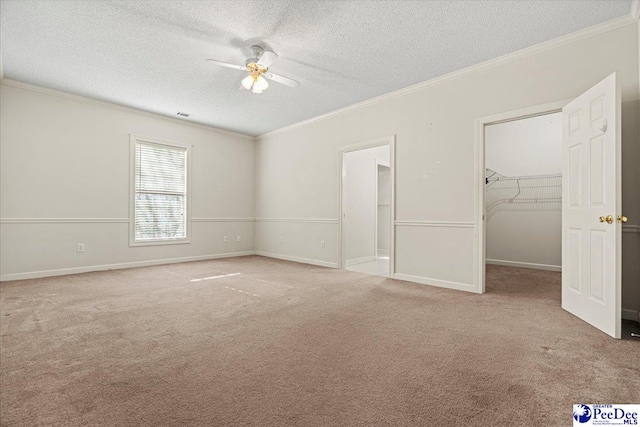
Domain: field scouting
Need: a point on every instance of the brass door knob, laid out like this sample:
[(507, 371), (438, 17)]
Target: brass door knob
[(608, 219), (622, 219)]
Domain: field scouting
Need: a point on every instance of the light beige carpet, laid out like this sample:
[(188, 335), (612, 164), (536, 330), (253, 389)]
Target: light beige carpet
[(285, 344)]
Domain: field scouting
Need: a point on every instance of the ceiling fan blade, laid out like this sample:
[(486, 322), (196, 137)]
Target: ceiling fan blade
[(280, 79), (267, 58), (226, 64)]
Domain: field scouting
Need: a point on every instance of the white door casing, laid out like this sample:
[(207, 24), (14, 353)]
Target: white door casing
[(591, 189)]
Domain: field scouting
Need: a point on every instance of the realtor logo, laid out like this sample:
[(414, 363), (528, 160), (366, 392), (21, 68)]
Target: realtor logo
[(581, 413), (606, 415)]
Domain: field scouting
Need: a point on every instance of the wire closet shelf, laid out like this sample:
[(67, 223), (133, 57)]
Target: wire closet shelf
[(530, 192)]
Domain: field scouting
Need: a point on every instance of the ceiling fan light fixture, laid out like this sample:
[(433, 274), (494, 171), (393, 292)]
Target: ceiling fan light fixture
[(247, 82), (260, 84), (258, 68), (256, 84)]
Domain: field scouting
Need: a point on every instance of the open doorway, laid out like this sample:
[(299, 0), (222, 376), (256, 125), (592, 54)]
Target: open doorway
[(523, 206), (366, 207), (383, 211), (591, 204)]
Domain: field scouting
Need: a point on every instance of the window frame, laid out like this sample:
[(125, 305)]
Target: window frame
[(133, 140)]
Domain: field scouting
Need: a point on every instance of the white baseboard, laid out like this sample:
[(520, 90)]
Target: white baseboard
[(435, 282), (631, 315), (119, 266), (362, 260), (525, 265), (297, 259), (383, 252)]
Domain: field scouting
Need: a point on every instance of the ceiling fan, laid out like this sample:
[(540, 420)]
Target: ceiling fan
[(258, 67)]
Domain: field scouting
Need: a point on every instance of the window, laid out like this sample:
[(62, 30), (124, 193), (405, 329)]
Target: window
[(159, 209)]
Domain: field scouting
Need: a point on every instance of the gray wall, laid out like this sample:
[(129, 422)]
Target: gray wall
[(65, 180), (435, 130)]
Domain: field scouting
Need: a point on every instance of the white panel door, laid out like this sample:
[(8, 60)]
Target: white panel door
[(591, 202)]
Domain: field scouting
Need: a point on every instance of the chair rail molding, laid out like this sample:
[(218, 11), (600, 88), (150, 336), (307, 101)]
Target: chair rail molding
[(304, 220), (229, 219), (62, 220), (630, 228), (456, 224), (109, 220)]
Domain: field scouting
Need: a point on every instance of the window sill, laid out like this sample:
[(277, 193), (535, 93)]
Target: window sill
[(160, 242)]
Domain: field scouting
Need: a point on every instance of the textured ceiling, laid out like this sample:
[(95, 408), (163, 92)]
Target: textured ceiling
[(151, 54)]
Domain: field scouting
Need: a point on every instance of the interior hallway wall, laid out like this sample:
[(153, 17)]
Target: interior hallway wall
[(384, 210), (434, 125), (360, 202)]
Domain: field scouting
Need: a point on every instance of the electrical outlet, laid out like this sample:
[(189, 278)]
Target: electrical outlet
[(238, 238), (322, 244), (80, 247), (226, 239), (281, 240)]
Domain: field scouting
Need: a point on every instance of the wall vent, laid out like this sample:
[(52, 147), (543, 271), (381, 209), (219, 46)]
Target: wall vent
[(181, 114)]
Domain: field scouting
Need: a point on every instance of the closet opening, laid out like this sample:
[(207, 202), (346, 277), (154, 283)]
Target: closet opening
[(523, 205), (366, 207)]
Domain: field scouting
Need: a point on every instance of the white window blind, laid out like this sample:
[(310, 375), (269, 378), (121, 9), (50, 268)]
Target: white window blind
[(160, 192)]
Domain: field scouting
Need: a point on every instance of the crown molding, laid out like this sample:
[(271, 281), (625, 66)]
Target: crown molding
[(635, 9), (595, 30), (66, 95)]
